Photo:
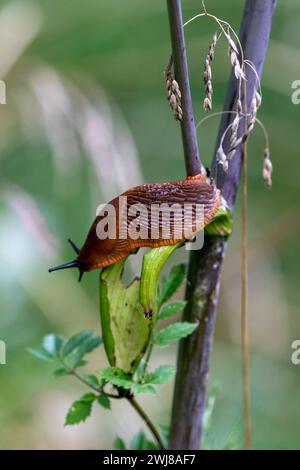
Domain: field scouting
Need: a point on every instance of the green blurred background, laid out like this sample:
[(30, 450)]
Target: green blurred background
[(86, 117)]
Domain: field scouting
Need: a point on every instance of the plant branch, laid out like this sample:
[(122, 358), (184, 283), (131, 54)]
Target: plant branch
[(244, 309), (96, 389), (147, 421), (204, 272), (85, 382), (244, 287), (99, 389), (189, 137), (130, 399)]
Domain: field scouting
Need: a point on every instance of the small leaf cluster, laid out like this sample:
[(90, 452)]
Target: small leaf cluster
[(139, 442), (169, 287), (142, 380), (81, 409), (71, 353)]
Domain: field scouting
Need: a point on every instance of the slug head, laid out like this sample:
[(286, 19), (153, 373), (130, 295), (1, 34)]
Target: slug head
[(72, 264)]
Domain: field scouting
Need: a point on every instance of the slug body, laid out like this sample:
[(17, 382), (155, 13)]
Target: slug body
[(148, 215)]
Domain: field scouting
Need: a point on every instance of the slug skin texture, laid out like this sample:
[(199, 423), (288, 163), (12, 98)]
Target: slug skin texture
[(194, 190)]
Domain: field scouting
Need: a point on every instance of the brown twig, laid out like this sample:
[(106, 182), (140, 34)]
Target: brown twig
[(244, 296), (189, 137), (147, 420), (204, 272)]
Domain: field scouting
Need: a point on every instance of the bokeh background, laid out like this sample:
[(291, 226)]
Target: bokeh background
[(86, 117)]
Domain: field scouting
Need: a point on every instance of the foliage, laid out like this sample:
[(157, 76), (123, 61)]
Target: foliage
[(139, 442), (121, 308)]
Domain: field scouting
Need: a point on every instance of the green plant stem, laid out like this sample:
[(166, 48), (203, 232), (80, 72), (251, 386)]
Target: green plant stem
[(99, 390), (78, 376), (130, 399), (148, 355), (82, 379), (147, 421)]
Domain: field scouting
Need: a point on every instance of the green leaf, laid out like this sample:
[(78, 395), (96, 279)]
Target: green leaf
[(92, 380), (172, 308), (119, 444), (104, 401), (91, 344), (75, 341), (174, 332), (117, 377), (165, 433), (221, 225), (79, 412), (161, 375), (80, 409), (88, 397), (172, 282), (74, 360), (140, 442), (53, 343), (137, 388), (41, 354), (61, 372), (85, 346)]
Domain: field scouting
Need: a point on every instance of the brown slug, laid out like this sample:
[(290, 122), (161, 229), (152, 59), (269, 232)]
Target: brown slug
[(148, 229)]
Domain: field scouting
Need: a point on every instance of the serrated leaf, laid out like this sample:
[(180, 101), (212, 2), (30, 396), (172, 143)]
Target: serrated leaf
[(161, 375), (117, 377), (174, 332), (41, 354), (172, 282), (75, 341), (53, 343), (79, 411), (92, 380), (119, 444), (172, 308), (137, 388), (88, 397), (61, 372), (104, 401)]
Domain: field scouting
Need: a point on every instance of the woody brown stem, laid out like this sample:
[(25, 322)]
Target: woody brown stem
[(204, 272), (188, 130), (147, 421)]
